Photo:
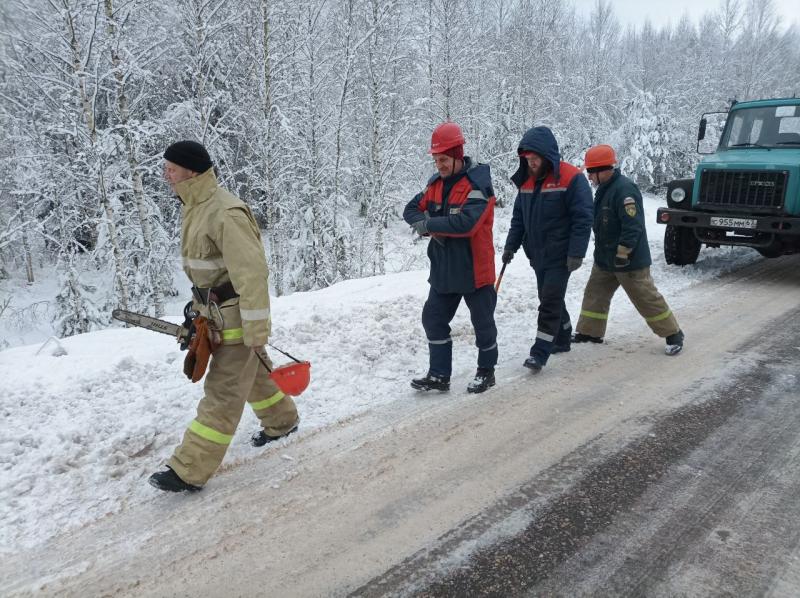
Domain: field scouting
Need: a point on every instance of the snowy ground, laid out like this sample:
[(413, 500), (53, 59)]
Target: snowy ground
[(86, 419)]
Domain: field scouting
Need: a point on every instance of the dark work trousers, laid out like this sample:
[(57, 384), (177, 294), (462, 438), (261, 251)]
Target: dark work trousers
[(439, 310), (553, 326)]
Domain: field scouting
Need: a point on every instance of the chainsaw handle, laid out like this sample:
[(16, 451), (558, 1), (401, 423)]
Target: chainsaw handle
[(189, 314)]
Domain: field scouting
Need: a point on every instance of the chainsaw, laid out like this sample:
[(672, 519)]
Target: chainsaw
[(183, 333), (292, 378)]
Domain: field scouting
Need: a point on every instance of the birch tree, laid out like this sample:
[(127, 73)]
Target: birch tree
[(148, 256)]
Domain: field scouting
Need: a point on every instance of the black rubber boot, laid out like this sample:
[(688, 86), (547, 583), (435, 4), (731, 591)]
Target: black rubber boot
[(579, 337), (261, 438), (533, 365), (484, 380), (560, 349), (169, 481), (674, 343), (440, 383)]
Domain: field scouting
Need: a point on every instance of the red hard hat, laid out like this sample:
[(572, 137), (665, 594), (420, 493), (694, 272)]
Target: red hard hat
[(599, 156), (446, 136), (292, 378)]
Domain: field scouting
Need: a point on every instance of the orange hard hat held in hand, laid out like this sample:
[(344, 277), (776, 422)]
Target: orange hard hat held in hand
[(292, 378)]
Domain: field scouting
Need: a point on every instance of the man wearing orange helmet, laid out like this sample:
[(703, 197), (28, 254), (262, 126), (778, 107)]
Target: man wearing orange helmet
[(621, 256), (456, 210), (552, 221)]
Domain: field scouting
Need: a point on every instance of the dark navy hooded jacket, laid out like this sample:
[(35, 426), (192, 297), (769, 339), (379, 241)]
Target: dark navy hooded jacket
[(459, 213), (552, 216)]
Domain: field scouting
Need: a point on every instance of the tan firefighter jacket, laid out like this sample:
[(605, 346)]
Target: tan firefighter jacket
[(220, 242)]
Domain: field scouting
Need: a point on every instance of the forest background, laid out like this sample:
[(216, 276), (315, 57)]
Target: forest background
[(318, 114)]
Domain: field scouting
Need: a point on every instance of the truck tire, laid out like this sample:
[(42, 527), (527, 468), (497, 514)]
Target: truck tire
[(681, 247), (771, 251)]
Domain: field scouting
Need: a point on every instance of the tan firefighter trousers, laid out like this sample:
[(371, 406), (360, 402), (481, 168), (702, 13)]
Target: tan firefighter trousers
[(235, 375), (642, 291)]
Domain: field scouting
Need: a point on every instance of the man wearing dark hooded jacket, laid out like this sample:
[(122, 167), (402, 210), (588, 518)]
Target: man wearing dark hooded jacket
[(552, 221)]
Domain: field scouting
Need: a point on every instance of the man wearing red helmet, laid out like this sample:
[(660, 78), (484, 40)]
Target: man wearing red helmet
[(621, 256), (552, 221), (456, 210)]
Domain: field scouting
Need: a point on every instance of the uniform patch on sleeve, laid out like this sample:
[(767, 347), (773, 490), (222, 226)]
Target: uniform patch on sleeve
[(630, 206)]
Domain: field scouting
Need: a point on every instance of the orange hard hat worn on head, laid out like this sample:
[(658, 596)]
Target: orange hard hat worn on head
[(600, 157), (446, 136), (292, 378)]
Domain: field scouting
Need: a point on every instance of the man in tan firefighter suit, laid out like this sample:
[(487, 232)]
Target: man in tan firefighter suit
[(621, 256), (224, 258)]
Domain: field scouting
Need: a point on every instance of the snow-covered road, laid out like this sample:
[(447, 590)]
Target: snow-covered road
[(336, 508)]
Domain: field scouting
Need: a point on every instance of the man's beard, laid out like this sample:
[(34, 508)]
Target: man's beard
[(540, 172)]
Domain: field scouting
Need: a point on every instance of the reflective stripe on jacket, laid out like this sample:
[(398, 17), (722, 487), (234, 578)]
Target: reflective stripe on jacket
[(221, 242)]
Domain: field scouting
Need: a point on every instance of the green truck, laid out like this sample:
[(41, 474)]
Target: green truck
[(747, 191)]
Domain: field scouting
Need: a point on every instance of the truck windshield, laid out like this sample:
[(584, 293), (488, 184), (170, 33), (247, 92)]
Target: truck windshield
[(766, 126)]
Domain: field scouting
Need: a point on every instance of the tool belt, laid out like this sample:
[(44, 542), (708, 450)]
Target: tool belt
[(219, 294)]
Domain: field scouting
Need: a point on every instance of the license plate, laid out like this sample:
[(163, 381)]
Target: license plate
[(733, 222)]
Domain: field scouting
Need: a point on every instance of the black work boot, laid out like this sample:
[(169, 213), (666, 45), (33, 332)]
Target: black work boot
[(429, 382), (533, 364), (261, 438), (484, 380), (674, 343), (579, 337), (565, 348), (169, 481)]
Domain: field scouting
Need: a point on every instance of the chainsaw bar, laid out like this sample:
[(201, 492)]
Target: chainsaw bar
[(143, 321)]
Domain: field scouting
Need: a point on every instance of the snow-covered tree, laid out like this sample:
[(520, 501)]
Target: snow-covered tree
[(318, 115)]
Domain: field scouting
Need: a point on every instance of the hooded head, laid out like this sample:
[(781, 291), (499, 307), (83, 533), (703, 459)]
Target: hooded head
[(541, 141)]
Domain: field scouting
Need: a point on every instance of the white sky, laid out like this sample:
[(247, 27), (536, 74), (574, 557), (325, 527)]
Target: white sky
[(634, 12)]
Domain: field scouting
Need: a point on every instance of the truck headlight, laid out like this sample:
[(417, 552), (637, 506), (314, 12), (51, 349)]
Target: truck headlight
[(677, 195)]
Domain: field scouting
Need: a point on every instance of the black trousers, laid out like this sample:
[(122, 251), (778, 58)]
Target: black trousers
[(553, 326), (439, 310)]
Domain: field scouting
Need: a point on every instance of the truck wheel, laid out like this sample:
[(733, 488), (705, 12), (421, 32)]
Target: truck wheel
[(774, 250), (681, 247)]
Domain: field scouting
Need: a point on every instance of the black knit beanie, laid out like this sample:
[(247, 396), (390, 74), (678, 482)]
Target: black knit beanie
[(189, 154)]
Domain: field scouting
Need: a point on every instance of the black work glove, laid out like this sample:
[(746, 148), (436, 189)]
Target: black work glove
[(573, 263), (622, 259), (508, 255), (420, 227)]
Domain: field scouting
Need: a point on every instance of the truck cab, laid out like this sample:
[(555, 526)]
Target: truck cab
[(747, 192)]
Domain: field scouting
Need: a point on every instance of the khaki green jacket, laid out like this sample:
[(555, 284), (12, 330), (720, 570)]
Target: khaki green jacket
[(220, 242)]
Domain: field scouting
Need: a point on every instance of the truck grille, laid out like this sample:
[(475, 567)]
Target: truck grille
[(752, 189)]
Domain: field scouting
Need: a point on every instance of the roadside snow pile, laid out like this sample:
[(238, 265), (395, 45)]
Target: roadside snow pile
[(83, 430)]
